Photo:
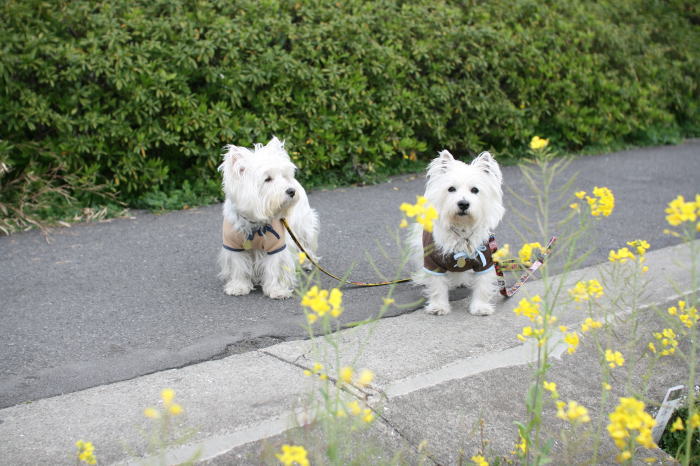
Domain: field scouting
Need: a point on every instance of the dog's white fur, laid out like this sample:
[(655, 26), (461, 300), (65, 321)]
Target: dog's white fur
[(257, 187), (456, 230)]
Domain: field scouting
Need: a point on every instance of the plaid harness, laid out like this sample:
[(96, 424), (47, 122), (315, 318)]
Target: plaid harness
[(436, 263), (268, 238)]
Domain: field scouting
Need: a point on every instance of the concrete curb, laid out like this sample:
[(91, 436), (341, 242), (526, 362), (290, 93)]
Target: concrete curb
[(256, 395)]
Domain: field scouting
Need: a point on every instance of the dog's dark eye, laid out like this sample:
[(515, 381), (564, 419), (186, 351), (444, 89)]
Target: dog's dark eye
[(475, 190), (452, 189), (268, 179)]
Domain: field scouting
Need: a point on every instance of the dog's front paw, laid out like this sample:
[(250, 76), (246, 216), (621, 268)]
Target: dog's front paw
[(237, 288), (436, 310), (278, 293), (481, 309)]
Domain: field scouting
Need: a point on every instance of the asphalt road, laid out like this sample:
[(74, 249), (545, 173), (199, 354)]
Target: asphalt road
[(112, 301)]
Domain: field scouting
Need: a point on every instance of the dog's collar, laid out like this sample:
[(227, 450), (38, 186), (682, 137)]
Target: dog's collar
[(462, 232)]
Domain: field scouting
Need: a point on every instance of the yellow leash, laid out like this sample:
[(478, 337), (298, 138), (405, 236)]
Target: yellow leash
[(330, 274)]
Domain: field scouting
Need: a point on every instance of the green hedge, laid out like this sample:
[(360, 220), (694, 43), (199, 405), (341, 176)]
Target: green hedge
[(138, 97)]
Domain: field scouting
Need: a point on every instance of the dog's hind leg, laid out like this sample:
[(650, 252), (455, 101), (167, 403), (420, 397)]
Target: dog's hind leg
[(236, 270), (278, 275)]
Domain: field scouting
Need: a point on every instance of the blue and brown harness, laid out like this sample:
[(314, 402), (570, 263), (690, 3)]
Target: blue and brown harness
[(437, 263)]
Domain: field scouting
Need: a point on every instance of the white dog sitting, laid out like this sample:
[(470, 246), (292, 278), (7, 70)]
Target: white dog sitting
[(468, 199), (260, 189)]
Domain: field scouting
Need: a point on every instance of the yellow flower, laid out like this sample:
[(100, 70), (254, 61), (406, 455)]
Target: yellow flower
[(680, 211), (583, 291), (607, 386), (694, 421), (346, 374), (522, 446), (316, 300), (589, 324), (292, 454), (175, 409), (640, 245), (151, 413), (594, 289), (525, 253), (354, 407), (302, 257), (624, 456), (167, 395), (603, 203), (479, 460), (651, 347), (403, 223), (578, 292), (424, 213), (688, 316), (574, 413), (628, 421), (677, 425), (572, 340), (389, 301), (668, 341), (367, 415), (502, 253), (622, 255), (614, 358), (320, 302), (341, 413), (538, 143), (580, 194), (552, 388), (365, 378), (529, 309), (86, 452), (336, 300)]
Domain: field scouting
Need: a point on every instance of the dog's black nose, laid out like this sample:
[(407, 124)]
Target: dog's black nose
[(463, 205), (291, 192)]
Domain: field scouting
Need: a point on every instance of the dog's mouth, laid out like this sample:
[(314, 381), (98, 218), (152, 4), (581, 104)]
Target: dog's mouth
[(463, 213)]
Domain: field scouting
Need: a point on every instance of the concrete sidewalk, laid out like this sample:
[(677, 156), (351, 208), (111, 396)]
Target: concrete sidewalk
[(435, 378)]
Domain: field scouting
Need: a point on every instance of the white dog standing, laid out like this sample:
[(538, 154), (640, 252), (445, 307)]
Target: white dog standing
[(468, 199), (260, 189)]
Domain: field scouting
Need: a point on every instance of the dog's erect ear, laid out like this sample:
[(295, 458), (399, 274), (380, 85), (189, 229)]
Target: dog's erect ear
[(233, 159), (445, 156), (278, 146), (276, 143), (486, 163), (439, 164)]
